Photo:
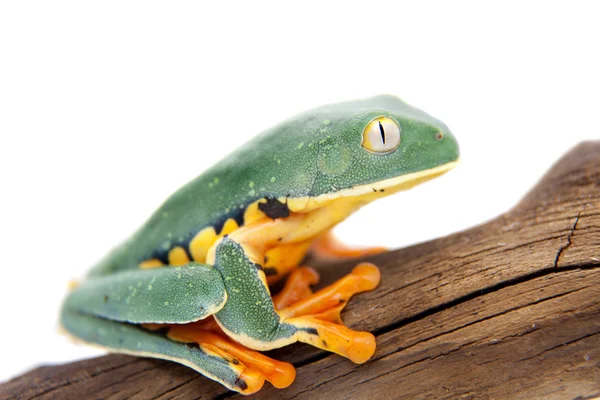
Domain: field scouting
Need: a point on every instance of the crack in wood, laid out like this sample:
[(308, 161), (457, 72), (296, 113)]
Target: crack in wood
[(568, 244), (560, 345), (473, 295)]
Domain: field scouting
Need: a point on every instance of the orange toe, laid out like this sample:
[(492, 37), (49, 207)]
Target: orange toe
[(361, 348), (369, 276), (250, 381)]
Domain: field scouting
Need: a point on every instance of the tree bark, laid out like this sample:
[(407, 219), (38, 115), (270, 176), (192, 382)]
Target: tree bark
[(508, 309)]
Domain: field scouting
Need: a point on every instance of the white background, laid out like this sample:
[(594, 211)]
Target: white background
[(107, 107)]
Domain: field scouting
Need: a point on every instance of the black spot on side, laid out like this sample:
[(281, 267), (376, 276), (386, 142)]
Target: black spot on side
[(237, 215), (274, 209), (241, 384), (186, 248), (160, 255), (270, 271), (311, 331), (235, 361)]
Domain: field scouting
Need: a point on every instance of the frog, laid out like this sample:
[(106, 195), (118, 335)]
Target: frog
[(193, 284)]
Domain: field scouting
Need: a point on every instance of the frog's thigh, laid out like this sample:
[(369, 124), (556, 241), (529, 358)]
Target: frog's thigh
[(250, 318), (161, 295), (131, 339)]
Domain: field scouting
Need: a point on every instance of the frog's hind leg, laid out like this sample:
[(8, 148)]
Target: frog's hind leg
[(250, 317), (134, 340), (327, 246), (118, 311)]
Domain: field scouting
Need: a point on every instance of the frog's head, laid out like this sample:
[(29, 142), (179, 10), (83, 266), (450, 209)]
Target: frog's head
[(380, 145)]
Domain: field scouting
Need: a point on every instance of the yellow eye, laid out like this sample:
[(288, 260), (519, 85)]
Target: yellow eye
[(381, 135)]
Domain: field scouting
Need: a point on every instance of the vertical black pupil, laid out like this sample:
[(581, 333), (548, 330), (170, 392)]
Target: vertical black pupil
[(382, 132)]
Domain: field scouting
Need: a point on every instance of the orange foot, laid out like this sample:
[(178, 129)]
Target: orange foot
[(321, 312)]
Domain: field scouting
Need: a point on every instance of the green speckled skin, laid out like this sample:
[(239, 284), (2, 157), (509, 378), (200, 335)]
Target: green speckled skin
[(313, 153), (249, 310), (131, 339), (163, 295)]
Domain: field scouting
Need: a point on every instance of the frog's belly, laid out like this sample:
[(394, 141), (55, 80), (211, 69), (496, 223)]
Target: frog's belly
[(280, 260)]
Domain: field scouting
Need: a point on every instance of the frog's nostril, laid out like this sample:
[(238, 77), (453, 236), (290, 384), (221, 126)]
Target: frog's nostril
[(439, 136)]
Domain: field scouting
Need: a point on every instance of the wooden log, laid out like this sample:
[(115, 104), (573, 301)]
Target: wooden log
[(508, 309)]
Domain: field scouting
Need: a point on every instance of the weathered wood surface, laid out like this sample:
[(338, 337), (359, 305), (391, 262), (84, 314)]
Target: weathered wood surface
[(508, 309)]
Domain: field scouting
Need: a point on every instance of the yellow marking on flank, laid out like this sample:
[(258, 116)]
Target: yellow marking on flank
[(207, 237), (252, 212), (178, 257), (229, 226), (201, 243), (152, 263)]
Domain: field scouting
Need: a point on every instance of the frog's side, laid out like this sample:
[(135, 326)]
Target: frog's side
[(255, 214)]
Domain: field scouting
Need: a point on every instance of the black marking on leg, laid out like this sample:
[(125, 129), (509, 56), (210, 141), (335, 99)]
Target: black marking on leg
[(324, 343), (241, 384), (270, 271), (310, 331), (193, 345), (274, 209), (258, 267), (235, 361)]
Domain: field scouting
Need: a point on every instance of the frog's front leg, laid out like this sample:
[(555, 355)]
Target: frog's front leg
[(250, 317)]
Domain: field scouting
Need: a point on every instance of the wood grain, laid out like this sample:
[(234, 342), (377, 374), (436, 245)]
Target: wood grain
[(508, 309)]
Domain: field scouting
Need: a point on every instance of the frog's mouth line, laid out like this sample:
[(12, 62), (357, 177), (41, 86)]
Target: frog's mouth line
[(370, 191), (399, 183)]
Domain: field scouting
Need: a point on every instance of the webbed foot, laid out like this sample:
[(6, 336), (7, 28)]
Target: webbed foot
[(317, 316)]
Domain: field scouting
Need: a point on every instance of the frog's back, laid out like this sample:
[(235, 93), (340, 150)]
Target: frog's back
[(269, 166), (282, 162)]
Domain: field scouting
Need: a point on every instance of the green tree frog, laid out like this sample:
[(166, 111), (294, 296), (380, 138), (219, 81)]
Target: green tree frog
[(192, 284)]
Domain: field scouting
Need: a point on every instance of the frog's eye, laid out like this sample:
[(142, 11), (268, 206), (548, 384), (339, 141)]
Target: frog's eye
[(381, 136)]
